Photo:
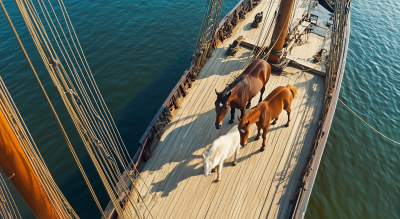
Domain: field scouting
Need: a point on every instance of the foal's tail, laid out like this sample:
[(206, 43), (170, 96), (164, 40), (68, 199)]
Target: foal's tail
[(292, 89)]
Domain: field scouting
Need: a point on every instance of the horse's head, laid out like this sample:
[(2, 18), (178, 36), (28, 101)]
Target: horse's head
[(207, 164), (221, 107), (244, 127)]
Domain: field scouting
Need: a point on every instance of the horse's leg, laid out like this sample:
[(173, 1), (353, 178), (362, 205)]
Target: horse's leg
[(232, 116), (248, 105), (288, 110), (236, 156), (242, 112), (258, 133), (265, 130), (262, 92), (274, 122), (219, 171), (288, 117)]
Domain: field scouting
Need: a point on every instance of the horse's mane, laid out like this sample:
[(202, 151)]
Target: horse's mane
[(229, 87), (234, 83)]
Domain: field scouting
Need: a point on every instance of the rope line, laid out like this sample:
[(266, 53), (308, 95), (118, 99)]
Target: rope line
[(48, 100), (57, 199), (84, 103), (368, 124), (8, 208), (262, 46)]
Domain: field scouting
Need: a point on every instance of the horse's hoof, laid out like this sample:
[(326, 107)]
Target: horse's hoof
[(274, 123), (262, 149), (231, 121), (287, 125), (257, 138), (217, 180), (234, 163)]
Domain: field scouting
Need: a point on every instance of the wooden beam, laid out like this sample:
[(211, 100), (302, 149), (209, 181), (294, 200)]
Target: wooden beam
[(285, 10)]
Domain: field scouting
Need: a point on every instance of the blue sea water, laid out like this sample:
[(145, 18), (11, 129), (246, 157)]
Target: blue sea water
[(359, 176), (138, 50)]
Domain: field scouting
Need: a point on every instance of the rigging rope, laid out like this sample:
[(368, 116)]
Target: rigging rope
[(8, 208), (256, 55), (293, 14), (207, 31), (52, 108), (368, 124), (8, 107), (267, 36), (88, 110), (262, 46)]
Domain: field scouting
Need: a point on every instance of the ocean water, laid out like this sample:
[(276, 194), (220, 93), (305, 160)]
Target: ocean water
[(138, 50), (359, 176)]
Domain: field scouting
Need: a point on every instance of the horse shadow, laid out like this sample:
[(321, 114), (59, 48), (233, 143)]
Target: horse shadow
[(220, 64), (189, 157), (181, 162), (290, 174), (178, 155)]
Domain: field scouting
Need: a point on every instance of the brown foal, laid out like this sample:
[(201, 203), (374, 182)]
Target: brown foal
[(266, 111)]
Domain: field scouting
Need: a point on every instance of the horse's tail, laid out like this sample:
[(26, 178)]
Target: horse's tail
[(292, 89)]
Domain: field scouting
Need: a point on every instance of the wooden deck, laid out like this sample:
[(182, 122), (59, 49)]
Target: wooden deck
[(262, 183), (312, 43)]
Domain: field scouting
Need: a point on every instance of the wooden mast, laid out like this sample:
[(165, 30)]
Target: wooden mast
[(18, 169), (285, 10)]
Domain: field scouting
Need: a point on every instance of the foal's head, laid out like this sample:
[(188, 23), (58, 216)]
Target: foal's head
[(244, 128), (221, 107)]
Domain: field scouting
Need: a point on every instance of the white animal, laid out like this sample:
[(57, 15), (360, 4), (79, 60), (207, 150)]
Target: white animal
[(222, 148)]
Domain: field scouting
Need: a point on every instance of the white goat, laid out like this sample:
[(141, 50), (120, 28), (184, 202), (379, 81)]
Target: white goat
[(222, 148)]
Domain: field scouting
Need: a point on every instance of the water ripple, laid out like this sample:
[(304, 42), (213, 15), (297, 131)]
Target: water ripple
[(359, 174)]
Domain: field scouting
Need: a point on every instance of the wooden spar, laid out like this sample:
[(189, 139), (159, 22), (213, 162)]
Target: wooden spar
[(18, 169), (284, 13)]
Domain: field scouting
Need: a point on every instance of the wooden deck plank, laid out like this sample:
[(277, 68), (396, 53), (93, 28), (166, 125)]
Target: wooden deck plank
[(303, 54), (214, 136), (270, 176), (198, 204), (179, 120), (232, 173), (274, 133), (242, 23), (226, 171), (298, 134), (196, 183), (174, 175), (212, 91), (207, 78), (236, 184), (258, 184), (206, 122), (301, 146), (197, 106)]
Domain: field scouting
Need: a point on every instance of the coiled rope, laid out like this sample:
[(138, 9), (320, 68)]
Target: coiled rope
[(368, 124)]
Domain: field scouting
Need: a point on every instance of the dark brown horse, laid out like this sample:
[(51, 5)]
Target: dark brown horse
[(266, 111), (242, 90)]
